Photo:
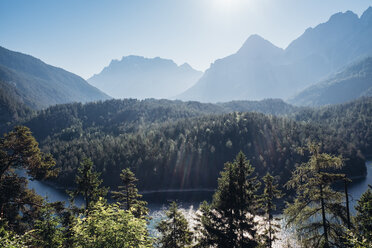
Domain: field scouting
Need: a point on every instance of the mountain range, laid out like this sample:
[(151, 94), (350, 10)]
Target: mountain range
[(139, 77), (260, 70), (37, 85)]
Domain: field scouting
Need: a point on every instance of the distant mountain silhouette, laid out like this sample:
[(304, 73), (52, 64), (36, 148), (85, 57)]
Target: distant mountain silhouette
[(350, 83), (260, 70), (139, 77), (39, 85)]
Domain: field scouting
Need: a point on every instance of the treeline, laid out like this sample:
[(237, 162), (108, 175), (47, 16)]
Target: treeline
[(317, 213), (187, 143)]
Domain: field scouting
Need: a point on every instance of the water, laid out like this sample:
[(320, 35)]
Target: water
[(188, 200)]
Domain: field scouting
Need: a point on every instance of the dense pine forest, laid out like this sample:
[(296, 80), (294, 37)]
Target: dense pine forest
[(188, 142)]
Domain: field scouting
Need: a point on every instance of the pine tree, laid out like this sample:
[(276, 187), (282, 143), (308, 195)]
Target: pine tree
[(271, 192), (363, 218), (317, 210), (47, 231), (229, 220), (19, 150), (128, 194), (88, 184), (174, 230)]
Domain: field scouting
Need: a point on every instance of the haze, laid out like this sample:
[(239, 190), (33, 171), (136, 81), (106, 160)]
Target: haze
[(84, 36)]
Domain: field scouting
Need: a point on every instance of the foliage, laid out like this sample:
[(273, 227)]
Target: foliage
[(317, 210), (47, 230), (8, 238), (19, 151), (229, 221), (109, 226), (88, 184), (271, 192), (174, 230), (128, 194), (363, 218)]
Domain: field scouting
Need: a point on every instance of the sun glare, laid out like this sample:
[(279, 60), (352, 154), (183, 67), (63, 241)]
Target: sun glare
[(227, 6)]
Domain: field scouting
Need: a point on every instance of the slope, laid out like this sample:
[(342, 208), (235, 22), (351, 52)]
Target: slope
[(350, 83), (40, 85)]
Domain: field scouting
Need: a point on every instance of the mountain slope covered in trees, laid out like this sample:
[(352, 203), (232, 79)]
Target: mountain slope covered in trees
[(40, 85), (172, 144)]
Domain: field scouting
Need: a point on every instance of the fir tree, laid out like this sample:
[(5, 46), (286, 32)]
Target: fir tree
[(128, 194), (271, 192), (174, 230), (363, 218), (88, 184), (317, 210), (229, 220), (19, 206), (47, 231)]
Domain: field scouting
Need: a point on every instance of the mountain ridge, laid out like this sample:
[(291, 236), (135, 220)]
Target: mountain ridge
[(41, 85), (140, 77), (253, 73)]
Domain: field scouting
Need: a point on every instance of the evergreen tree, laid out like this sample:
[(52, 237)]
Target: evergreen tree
[(19, 151), (271, 192), (229, 220), (128, 194), (47, 231), (174, 230), (317, 210), (363, 218), (88, 184), (109, 226)]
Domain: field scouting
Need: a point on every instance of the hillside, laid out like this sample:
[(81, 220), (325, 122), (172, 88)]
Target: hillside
[(189, 142), (139, 77), (350, 83), (261, 70), (40, 85)]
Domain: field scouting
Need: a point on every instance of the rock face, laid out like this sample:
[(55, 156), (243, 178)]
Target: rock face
[(39, 85), (346, 85), (139, 77), (260, 70)]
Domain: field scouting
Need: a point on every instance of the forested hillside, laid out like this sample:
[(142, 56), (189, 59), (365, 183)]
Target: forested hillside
[(172, 144)]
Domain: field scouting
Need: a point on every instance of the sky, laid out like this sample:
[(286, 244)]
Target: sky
[(83, 36)]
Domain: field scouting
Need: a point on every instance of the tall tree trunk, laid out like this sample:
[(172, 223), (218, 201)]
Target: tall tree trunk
[(324, 217), (347, 205)]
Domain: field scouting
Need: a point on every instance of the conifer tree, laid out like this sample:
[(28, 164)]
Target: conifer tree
[(128, 194), (174, 230), (88, 184), (19, 205), (229, 220), (270, 193), (363, 218), (317, 210), (47, 231)]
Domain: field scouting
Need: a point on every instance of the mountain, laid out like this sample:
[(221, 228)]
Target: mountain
[(139, 77), (350, 83), (261, 70), (40, 85)]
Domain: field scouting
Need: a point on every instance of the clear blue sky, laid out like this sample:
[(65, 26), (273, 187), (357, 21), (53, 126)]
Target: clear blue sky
[(83, 36)]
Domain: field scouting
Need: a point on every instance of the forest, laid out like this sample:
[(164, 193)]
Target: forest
[(188, 142), (317, 212)]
